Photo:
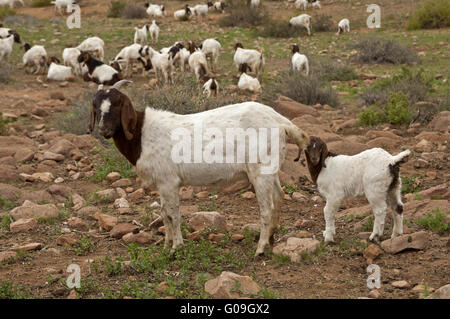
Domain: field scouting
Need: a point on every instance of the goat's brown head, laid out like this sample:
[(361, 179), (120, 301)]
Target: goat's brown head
[(238, 45), (191, 46), (84, 57), (316, 152), (295, 48), (114, 112), (15, 35), (26, 46)]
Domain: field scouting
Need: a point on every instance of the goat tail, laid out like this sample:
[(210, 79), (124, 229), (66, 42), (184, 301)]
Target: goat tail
[(299, 137), (401, 157)]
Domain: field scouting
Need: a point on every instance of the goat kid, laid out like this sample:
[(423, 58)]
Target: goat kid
[(374, 173)]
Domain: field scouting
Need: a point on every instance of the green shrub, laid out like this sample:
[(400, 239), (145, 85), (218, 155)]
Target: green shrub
[(397, 110), (240, 14), (435, 222), (134, 12), (383, 51), (434, 14), (6, 11), (281, 29), (331, 71), (372, 116), (308, 90), (322, 23), (116, 8), (41, 3), (416, 86)]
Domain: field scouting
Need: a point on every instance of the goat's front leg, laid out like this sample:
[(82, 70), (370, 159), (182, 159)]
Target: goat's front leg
[(329, 212), (170, 208)]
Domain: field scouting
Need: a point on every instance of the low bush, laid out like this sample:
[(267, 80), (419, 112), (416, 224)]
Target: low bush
[(41, 3), (383, 51), (116, 8), (134, 12), (415, 85), (281, 29), (240, 14), (397, 111), (322, 23), (434, 14), (308, 90), (6, 11)]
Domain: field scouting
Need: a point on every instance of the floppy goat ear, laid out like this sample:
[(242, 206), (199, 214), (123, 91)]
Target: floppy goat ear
[(128, 117), (92, 121), (323, 154)]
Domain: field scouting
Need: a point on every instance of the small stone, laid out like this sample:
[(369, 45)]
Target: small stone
[(374, 294), (23, 224), (28, 247), (120, 230), (203, 194), (136, 195), (237, 237), (248, 195), (401, 284), (113, 176), (140, 238), (67, 239), (77, 223), (107, 222)]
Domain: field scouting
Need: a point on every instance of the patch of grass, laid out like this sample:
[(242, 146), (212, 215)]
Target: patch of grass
[(415, 85), (112, 267), (410, 184), (210, 207), (280, 260), (83, 247), (112, 161), (368, 224), (375, 50), (180, 271), (353, 246), (134, 12), (116, 9), (6, 11), (87, 286), (6, 203), (308, 90), (289, 189), (5, 73), (281, 29), (323, 23), (434, 14), (239, 14), (184, 98), (397, 111), (134, 289), (4, 222), (9, 290), (434, 222), (330, 71), (76, 119)]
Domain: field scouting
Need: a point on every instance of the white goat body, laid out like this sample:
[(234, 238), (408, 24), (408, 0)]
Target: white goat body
[(58, 72)]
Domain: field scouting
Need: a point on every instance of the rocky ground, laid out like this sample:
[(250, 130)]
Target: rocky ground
[(62, 203)]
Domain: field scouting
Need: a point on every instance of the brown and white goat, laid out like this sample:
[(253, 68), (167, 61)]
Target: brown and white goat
[(151, 141)]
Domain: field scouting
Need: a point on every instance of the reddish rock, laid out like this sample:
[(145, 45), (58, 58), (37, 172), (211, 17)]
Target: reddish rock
[(77, 223), (294, 247), (201, 220), (395, 245), (140, 238), (107, 222), (120, 230), (67, 239), (23, 224), (225, 286)]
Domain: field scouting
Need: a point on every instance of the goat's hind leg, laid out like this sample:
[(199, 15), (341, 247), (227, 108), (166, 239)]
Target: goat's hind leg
[(264, 185), (379, 206), (394, 200), (170, 207)]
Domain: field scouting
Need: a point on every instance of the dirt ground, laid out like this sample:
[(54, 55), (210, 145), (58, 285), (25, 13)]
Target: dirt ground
[(337, 271)]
